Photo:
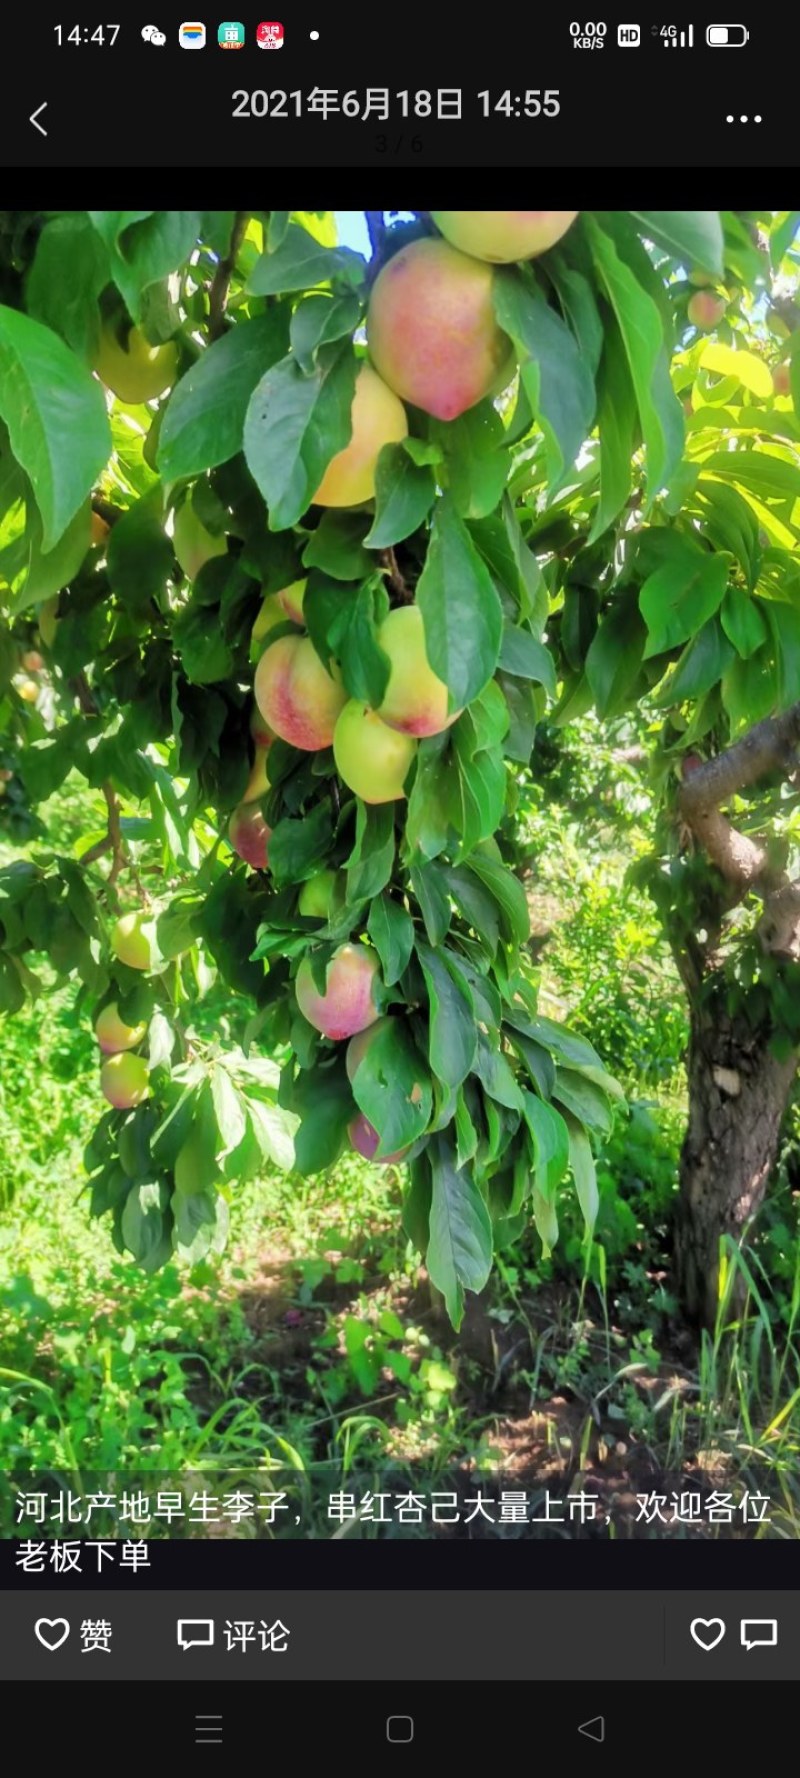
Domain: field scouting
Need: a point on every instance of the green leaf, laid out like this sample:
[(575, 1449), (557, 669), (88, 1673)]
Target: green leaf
[(615, 655), (616, 426), (556, 378), (337, 546), (229, 1110), (496, 1076), (139, 555), (527, 658), (56, 417), (145, 246), (273, 1129), (300, 263), (201, 1224), (476, 465), (453, 1034), (584, 1099), (508, 893), (742, 621), (143, 1224), (459, 1255), (318, 322), (583, 1171), (371, 861), (460, 609), (294, 426), (746, 367), (47, 574), (404, 494), (681, 596), (391, 929), (203, 422), (550, 1143), (430, 888), (701, 665), (784, 622), (300, 844), (392, 1087), (692, 236), (428, 812), (70, 268), (642, 333), (323, 1099)]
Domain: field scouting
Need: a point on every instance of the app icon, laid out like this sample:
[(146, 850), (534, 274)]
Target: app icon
[(230, 35), (270, 36), (192, 36), (151, 34)]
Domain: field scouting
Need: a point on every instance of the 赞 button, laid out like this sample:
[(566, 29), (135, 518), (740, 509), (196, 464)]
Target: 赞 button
[(594, 1729), (399, 1728), (707, 1632), (51, 1632)]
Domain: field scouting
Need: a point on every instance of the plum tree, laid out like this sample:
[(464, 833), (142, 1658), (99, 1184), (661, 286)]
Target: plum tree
[(193, 544), (377, 419), (134, 370), (249, 835), (113, 1034), (373, 759), (415, 699), (131, 940), (470, 567), (431, 329), (346, 1004), (705, 310), (297, 696), (124, 1081), (501, 236)]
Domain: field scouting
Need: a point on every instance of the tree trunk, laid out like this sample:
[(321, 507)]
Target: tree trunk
[(738, 1093)]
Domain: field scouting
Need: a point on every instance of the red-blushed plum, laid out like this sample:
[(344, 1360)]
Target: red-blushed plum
[(372, 759), (347, 1005), (364, 1138), (113, 1034), (415, 700), (705, 310), (501, 236), (249, 835), (290, 599), (124, 1081), (378, 419), (296, 695), (431, 328)]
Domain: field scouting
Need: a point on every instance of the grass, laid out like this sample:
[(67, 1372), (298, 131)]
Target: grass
[(315, 1355)]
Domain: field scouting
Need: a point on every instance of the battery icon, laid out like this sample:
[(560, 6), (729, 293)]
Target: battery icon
[(727, 36)]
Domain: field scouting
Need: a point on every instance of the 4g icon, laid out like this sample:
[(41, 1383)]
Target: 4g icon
[(270, 36)]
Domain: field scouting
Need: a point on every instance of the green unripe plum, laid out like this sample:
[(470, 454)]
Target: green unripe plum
[(291, 599), (348, 1004), (113, 1034), (415, 699), (314, 900), (270, 615), (249, 835), (432, 331), (192, 543), (135, 371), (130, 941), (372, 759), (364, 1138), (705, 310), (124, 1081), (297, 697), (501, 236), (378, 419), (258, 782)]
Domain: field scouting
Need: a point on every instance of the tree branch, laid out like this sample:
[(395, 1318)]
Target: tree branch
[(394, 576), (376, 229), (221, 282), (779, 926), (771, 746)]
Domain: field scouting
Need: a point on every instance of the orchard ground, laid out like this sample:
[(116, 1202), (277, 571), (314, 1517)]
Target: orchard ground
[(315, 1347)]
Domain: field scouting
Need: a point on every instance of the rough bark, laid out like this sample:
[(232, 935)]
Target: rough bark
[(738, 1093)]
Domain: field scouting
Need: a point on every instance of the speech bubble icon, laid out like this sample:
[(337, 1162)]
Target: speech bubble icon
[(759, 1632), (195, 1632)]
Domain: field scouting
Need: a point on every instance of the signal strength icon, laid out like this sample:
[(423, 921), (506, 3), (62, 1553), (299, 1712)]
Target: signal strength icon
[(679, 39)]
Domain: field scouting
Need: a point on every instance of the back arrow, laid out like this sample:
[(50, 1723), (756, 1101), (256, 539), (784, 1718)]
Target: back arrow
[(33, 116)]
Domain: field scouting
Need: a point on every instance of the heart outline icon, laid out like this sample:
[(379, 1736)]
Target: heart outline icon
[(51, 1623), (709, 1624)]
